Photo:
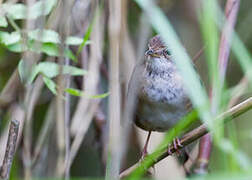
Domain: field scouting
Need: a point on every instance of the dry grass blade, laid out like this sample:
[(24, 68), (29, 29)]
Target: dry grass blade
[(9, 93), (114, 143), (44, 132), (232, 7), (87, 108)]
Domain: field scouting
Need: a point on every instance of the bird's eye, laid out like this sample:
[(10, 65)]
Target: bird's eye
[(168, 52)]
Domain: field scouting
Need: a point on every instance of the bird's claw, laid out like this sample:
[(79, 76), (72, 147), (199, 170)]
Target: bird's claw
[(176, 145)]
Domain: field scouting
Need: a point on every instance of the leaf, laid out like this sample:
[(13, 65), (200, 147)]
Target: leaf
[(76, 92), (20, 11), (42, 8), (23, 74), (44, 35), (15, 11), (72, 40), (50, 84), (9, 38), (68, 53), (51, 70), (99, 96), (16, 48), (50, 49), (50, 36), (3, 22), (88, 33), (53, 50)]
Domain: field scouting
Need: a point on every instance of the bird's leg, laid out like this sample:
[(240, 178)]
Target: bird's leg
[(144, 152), (176, 145)]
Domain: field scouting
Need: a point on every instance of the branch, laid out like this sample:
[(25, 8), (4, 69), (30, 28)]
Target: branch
[(10, 150), (193, 135)]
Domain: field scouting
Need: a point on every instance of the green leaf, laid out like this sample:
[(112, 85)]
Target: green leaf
[(50, 49), (50, 36), (85, 39), (3, 22), (88, 33), (68, 53), (16, 48), (51, 70), (76, 92), (42, 8), (15, 11), (23, 74), (50, 84), (53, 50), (98, 96), (72, 40), (44, 35), (9, 38), (20, 11)]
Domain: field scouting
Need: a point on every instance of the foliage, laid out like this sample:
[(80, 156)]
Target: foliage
[(49, 40), (58, 58)]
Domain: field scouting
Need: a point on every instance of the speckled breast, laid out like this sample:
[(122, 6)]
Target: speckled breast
[(162, 100)]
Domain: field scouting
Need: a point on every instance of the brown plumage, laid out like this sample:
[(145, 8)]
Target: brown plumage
[(162, 99)]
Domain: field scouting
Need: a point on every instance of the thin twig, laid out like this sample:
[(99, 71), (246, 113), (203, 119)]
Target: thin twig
[(10, 90), (10, 150), (62, 135), (87, 108), (44, 132), (114, 88), (239, 91), (194, 135), (198, 54), (16, 112), (231, 11)]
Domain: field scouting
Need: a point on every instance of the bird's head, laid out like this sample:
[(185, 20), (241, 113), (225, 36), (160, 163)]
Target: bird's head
[(157, 49)]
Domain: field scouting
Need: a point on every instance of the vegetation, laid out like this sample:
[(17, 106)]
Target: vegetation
[(64, 71)]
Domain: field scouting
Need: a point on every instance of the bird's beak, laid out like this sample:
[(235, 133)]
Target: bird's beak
[(149, 52)]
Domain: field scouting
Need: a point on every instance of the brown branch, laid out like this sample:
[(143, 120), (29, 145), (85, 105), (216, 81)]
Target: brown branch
[(194, 135), (10, 150)]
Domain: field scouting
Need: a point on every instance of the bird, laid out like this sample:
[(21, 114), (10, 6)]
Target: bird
[(161, 96)]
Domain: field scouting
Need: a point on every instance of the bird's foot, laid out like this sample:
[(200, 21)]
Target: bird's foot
[(176, 145), (144, 154)]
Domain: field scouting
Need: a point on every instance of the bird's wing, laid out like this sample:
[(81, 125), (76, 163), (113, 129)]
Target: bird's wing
[(134, 86)]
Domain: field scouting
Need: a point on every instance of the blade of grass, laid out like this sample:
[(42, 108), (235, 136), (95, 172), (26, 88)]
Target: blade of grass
[(88, 32), (239, 49)]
